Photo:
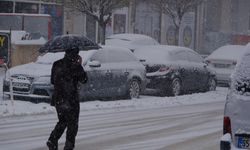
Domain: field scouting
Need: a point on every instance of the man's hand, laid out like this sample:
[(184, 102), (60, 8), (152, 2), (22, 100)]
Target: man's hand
[(78, 60)]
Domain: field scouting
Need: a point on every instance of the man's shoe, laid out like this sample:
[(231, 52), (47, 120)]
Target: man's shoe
[(52, 146)]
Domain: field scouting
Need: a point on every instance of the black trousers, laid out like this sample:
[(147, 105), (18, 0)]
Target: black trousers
[(68, 118)]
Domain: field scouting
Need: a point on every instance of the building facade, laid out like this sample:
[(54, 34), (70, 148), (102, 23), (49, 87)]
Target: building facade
[(42, 7), (222, 22)]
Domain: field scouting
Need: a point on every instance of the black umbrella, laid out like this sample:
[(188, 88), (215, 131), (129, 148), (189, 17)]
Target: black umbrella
[(69, 41)]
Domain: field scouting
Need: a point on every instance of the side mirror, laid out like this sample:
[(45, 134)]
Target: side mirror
[(94, 64)]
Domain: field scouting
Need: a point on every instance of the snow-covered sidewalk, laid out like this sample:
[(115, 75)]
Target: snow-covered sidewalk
[(28, 108)]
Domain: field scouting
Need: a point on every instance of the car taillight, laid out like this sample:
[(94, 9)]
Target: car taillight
[(164, 69), (227, 125)]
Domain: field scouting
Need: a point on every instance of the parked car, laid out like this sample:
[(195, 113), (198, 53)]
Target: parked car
[(223, 61), (175, 70), (130, 41), (111, 73), (236, 124)]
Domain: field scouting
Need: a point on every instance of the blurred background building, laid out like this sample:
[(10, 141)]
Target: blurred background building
[(212, 24)]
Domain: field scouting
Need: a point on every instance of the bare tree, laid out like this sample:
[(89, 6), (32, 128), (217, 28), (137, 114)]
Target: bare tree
[(99, 10), (176, 9)]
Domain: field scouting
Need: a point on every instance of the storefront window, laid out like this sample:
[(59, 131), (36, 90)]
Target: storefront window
[(6, 7), (55, 11), (26, 8)]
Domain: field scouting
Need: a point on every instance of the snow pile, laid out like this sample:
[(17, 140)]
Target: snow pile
[(145, 102)]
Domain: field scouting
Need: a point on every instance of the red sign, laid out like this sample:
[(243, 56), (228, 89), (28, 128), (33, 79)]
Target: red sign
[(241, 39)]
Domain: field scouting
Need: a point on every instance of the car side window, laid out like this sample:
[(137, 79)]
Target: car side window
[(120, 56), (193, 57), (100, 56), (180, 56)]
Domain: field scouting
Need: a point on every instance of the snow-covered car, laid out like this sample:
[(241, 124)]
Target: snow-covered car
[(173, 70), (236, 124), (223, 61), (130, 41), (111, 73)]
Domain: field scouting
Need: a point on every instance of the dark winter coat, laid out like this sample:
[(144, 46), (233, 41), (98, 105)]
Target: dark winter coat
[(65, 76)]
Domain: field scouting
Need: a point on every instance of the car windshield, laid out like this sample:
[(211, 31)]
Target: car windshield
[(241, 76)]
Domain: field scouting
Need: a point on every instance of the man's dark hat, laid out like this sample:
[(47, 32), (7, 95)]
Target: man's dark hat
[(73, 50)]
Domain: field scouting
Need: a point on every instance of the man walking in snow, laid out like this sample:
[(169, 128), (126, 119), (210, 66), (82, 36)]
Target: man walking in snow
[(65, 75)]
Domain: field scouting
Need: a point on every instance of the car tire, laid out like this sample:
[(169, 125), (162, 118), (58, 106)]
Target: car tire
[(211, 84), (134, 89), (175, 88)]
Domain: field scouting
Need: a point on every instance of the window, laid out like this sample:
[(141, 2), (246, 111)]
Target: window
[(99, 56), (6, 7), (26, 8), (120, 56), (112, 56), (249, 23), (193, 57), (180, 56)]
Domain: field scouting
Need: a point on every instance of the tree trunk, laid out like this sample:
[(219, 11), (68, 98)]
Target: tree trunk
[(102, 33), (177, 32)]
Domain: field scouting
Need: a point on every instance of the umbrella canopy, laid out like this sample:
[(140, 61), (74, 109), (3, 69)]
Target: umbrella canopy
[(69, 41)]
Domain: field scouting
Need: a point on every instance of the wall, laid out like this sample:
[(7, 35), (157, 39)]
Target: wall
[(22, 54)]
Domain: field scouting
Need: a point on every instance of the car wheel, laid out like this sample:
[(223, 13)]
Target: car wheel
[(133, 89), (211, 84), (176, 87)]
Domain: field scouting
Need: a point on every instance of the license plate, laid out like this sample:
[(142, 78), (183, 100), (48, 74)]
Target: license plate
[(243, 142), (221, 65), (20, 85)]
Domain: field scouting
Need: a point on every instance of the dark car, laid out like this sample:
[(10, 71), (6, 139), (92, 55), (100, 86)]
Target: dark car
[(111, 73), (175, 70), (236, 124)]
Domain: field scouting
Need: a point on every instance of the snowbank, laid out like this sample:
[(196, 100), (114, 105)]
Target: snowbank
[(28, 108)]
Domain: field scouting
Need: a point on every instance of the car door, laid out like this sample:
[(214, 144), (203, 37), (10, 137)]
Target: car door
[(185, 69), (117, 62), (201, 74), (99, 75)]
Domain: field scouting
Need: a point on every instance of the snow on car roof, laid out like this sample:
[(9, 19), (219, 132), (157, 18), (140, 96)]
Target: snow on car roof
[(156, 52), (129, 36), (242, 70), (49, 58), (228, 52)]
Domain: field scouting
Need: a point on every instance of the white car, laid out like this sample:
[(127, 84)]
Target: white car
[(236, 127), (112, 73), (130, 41), (223, 61)]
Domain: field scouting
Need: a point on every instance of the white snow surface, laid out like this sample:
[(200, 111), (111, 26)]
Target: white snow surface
[(9, 108), (18, 117), (228, 52)]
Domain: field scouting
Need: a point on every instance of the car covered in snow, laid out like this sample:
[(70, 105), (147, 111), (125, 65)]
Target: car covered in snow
[(111, 73), (130, 40), (236, 124), (223, 61), (174, 70)]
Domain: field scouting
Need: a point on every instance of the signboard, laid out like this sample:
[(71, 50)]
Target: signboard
[(4, 47), (186, 34)]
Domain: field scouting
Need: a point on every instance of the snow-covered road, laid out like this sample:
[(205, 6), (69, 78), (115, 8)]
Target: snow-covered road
[(188, 122), (195, 126)]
